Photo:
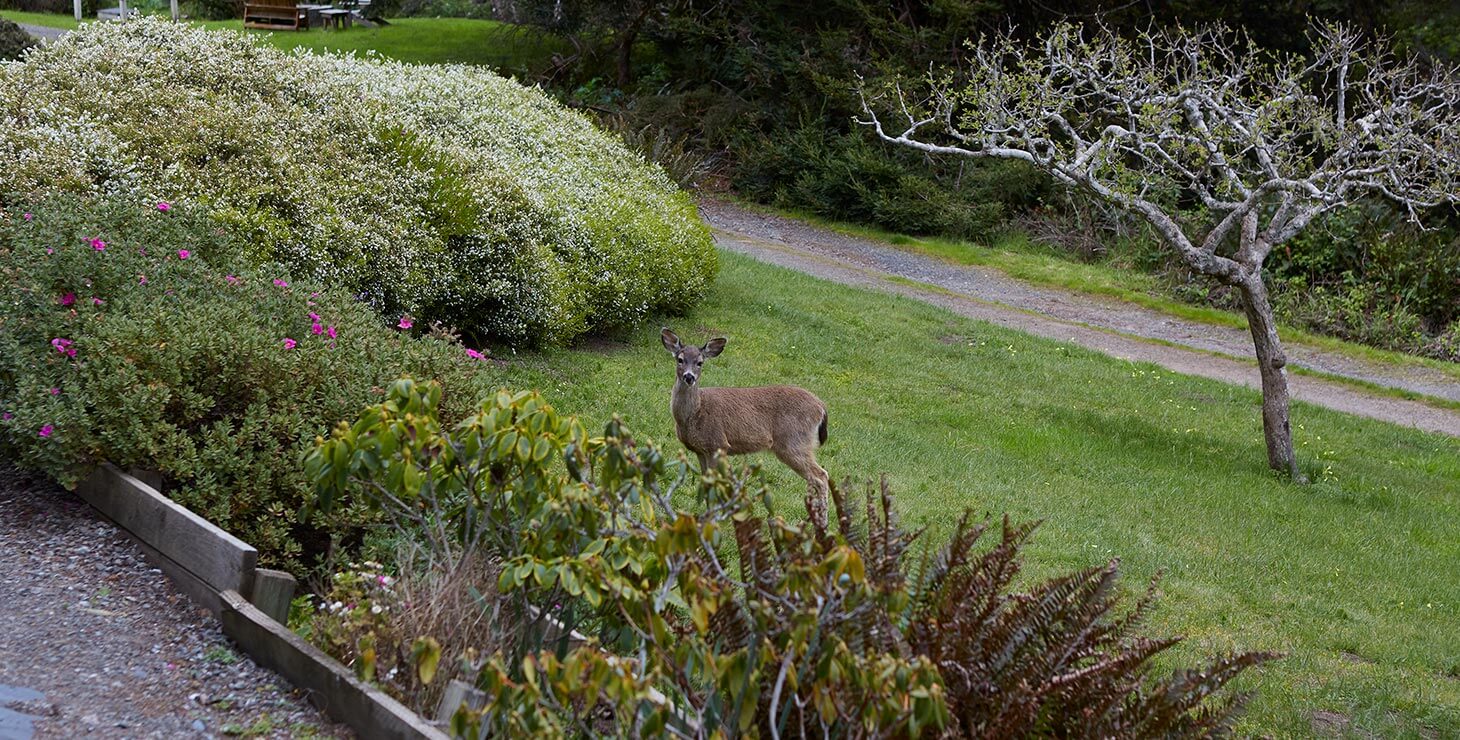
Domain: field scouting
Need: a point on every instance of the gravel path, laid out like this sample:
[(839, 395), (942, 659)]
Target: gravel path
[(44, 33), (95, 642), (1107, 325)]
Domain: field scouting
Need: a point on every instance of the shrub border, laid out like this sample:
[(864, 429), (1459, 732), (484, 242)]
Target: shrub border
[(215, 569)]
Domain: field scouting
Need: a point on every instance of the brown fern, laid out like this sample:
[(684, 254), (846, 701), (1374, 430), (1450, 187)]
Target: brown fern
[(1060, 659)]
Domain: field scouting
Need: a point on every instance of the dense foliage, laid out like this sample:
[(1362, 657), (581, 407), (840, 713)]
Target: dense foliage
[(722, 623), (1365, 275), (125, 339), (13, 40), (448, 193)]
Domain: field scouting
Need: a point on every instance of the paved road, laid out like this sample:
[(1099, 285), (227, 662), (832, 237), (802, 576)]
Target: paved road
[(1106, 325)]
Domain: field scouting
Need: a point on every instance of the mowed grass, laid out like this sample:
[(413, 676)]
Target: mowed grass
[(1354, 576), (49, 20), (417, 40), (422, 41)]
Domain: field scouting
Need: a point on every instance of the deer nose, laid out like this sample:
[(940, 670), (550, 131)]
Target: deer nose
[(689, 378)]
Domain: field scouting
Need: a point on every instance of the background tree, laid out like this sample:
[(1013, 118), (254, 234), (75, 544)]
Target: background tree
[(1226, 150)]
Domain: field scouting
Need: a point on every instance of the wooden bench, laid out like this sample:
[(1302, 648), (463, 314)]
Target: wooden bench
[(274, 15)]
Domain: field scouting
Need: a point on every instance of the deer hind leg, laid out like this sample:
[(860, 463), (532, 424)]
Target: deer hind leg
[(803, 461)]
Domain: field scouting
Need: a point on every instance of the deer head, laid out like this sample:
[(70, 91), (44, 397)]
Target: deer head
[(689, 361)]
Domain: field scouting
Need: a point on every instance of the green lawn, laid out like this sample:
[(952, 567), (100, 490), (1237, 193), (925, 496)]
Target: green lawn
[(50, 20), (1353, 576), (420, 40)]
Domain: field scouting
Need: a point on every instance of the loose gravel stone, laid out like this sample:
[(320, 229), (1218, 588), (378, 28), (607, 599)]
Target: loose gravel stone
[(95, 642)]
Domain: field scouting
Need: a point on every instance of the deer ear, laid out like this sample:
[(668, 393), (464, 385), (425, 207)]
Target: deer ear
[(714, 347), (671, 341)]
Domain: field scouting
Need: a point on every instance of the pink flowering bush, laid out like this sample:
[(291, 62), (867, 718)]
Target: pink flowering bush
[(189, 372)]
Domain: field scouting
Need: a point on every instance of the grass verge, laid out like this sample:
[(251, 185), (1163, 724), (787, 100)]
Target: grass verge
[(1016, 256), (1352, 576), (1364, 385)]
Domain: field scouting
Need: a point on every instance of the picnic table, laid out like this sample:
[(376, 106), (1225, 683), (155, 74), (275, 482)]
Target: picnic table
[(337, 17), (313, 14)]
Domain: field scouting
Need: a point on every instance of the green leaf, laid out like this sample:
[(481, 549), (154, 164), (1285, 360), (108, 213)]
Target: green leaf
[(426, 653)]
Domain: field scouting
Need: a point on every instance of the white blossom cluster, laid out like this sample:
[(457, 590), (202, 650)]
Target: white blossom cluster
[(446, 192)]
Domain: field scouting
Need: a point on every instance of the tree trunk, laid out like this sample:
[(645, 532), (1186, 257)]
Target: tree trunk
[(624, 48), (1271, 365), (625, 58)]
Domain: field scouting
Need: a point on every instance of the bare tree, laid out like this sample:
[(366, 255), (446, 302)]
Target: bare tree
[(1227, 151)]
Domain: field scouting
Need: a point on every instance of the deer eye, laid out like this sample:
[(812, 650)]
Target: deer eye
[(699, 363)]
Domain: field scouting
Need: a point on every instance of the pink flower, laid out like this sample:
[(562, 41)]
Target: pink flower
[(141, 279), (313, 316), (55, 391), (7, 416), (330, 330), (68, 299), (64, 346), (316, 328), (164, 206), (280, 283), (232, 279), (50, 251), (97, 244), (289, 343), (96, 301), (28, 217), (183, 254), (46, 430), (475, 355), (405, 322)]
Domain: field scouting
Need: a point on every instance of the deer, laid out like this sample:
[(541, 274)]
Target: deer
[(710, 422)]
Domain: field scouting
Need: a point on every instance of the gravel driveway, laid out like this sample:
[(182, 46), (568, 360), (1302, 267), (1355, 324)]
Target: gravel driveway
[(1103, 324), (44, 33), (95, 642)]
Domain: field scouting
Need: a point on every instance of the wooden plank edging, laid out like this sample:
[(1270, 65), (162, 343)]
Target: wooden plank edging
[(331, 686), (216, 557), (215, 569)]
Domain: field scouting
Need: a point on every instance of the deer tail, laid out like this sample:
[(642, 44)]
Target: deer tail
[(821, 430)]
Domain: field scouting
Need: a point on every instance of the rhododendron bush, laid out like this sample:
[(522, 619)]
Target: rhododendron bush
[(126, 338), (448, 192)]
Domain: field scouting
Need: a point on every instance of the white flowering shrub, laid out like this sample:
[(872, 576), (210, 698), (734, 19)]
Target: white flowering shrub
[(445, 192)]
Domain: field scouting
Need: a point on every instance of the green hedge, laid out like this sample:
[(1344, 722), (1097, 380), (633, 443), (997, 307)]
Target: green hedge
[(448, 193), (143, 353)]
